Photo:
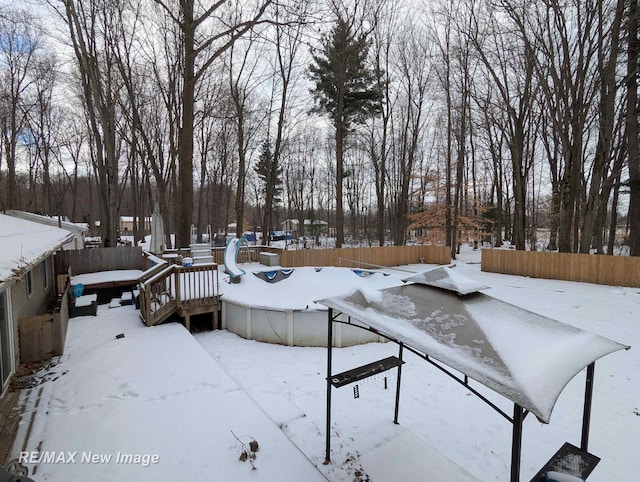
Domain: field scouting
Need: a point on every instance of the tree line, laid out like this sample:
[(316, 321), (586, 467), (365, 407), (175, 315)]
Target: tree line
[(465, 120)]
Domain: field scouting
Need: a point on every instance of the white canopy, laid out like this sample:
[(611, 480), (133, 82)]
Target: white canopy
[(526, 357)]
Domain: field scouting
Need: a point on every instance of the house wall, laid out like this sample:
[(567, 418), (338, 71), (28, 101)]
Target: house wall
[(6, 339), (24, 305)]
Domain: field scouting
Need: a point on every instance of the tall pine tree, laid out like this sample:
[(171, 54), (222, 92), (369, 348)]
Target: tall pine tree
[(345, 88), (272, 187)]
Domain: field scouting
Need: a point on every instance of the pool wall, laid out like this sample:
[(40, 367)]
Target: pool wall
[(288, 327)]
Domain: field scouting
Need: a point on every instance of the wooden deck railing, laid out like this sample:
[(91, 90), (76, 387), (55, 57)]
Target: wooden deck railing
[(197, 285), (157, 296), (177, 288)]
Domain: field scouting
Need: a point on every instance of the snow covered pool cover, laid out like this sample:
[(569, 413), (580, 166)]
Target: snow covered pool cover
[(521, 355), (298, 288)]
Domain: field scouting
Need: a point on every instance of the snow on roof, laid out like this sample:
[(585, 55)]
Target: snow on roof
[(23, 243), (446, 278), (526, 357), (129, 219), (51, 221)]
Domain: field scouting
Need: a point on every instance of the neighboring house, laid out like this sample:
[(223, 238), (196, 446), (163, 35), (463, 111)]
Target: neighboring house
[(126, 224), (26, 280), (79, 231), (313, 228)]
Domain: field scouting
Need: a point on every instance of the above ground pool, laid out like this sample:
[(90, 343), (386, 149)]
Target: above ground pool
[(278, 306)]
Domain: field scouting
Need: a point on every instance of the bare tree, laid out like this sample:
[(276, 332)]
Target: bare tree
[(91, 33), (287, 42), (632, 127), (42, 120), (413, 67), (200, 49), (242, 81), (20, 39), (560, 38), (505, 58), (608, 45)]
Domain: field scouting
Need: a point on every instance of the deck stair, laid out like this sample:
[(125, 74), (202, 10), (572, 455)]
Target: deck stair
[(185, 290), (201, 253)]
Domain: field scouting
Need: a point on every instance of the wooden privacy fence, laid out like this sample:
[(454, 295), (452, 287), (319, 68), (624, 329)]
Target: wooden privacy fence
[(588, 268), (349, 257), (99, 259), (43, 336), (366, 257)]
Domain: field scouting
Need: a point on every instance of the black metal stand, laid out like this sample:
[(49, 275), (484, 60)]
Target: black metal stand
[(586, 414), (516, 442), (351, 376), (395, 414), (327, 457)]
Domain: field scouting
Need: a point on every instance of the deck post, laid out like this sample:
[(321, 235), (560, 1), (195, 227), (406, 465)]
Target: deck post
[(327, 457), (516, 443), (586, 414)]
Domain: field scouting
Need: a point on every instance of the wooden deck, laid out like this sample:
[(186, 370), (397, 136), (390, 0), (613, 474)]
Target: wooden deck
[(184, 290)]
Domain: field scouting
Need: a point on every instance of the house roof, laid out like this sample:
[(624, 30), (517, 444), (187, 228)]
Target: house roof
[(24, 243), (51, 221), (526, 357), (78, 230)]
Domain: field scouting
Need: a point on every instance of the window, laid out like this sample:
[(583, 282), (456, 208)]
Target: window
[(29, 283)]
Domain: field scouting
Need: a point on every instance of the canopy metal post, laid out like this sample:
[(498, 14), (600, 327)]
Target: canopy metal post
[(516, 445), (586, 414), (395, 414), (327, 457)]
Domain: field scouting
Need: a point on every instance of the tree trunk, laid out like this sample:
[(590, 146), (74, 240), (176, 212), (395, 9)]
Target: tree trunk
[(340, 135), (606, 112), (185, 149), (633, 130)]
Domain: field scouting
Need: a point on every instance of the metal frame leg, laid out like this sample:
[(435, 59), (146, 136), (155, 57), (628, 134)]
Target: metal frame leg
[(516, 444), (327, 457), (586, 414)]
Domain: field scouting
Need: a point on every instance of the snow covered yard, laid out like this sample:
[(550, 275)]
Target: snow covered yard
[(149, 406), (290, 381), (158, 392)]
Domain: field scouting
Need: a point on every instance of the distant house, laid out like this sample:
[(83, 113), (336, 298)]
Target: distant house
[(26, 280), (78, 230), (317, 227), (126, 224)]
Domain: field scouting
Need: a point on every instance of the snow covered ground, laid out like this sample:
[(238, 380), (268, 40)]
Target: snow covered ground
[(157, 391)]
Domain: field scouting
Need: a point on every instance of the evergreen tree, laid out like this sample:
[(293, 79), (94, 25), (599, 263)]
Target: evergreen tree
[(272, 186), (345, 88)]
